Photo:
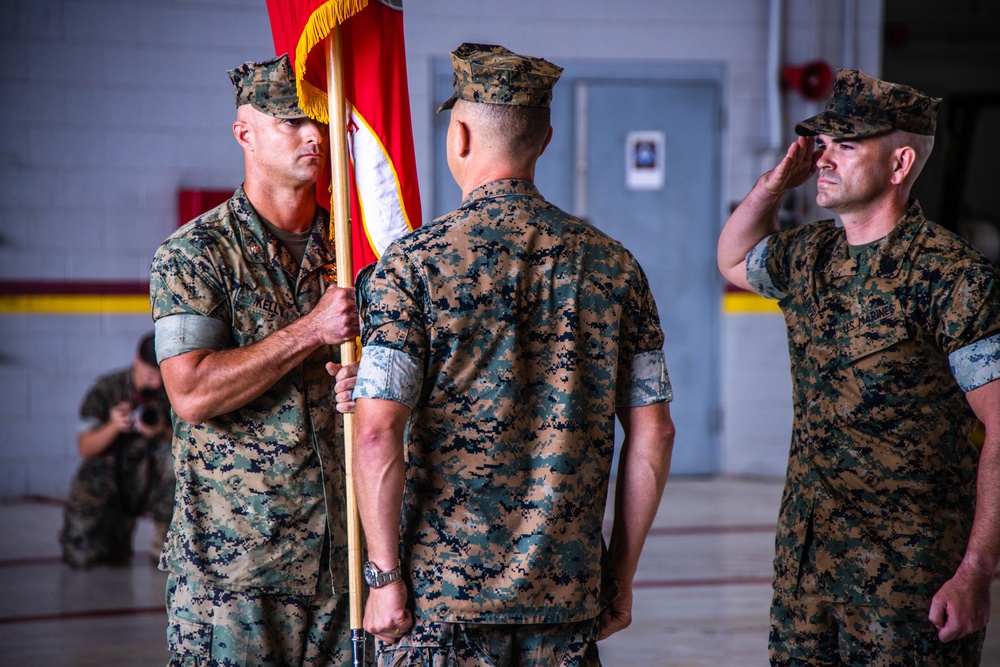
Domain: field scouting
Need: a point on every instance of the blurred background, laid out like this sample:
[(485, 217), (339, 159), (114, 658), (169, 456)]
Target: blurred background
[(118, 130)]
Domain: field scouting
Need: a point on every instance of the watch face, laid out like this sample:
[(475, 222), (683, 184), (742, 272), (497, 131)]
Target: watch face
[(370, 574)]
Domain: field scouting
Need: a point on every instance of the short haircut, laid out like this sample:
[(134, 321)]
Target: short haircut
[(516, 128), (922, 145), (147, 350)]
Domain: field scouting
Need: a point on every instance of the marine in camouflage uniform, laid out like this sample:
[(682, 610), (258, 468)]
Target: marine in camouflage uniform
[(507, 334), (257, 547), (880, 542), (130, 476)]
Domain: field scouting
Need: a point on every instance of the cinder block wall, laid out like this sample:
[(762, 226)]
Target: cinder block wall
[(114, 105), (111, 107)]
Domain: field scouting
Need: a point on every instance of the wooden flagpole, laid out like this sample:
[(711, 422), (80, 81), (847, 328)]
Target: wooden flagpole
[(340, 213)]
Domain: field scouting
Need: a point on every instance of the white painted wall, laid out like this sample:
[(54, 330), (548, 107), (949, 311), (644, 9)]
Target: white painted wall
[(111, 107), (114, 105)]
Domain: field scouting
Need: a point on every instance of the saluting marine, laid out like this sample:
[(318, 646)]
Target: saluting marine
[(245, 325), (889, 532)]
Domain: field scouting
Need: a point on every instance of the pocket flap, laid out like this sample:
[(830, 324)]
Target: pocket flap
[(186, 637), (872, 332)]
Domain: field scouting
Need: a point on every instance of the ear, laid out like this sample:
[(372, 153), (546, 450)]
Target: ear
[(548, 138), (460, 137), (243, 133), (903, 159)]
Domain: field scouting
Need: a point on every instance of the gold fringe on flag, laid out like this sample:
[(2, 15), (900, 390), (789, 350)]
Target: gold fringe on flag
[(321, 23)]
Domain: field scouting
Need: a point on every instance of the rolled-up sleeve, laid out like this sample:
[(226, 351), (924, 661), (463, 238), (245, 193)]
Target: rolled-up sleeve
[(976, 364), (757, 274), (392, 331), (177, 334), (645, 382), (389, 374)]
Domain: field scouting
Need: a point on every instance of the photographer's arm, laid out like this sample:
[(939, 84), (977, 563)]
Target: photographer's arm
[(205, 383), (94, 441)]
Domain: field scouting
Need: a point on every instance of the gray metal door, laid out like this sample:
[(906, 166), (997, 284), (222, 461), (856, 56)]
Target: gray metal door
[(639, 159), (651, 183)]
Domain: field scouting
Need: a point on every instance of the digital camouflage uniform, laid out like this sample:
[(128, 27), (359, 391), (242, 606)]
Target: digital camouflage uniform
[(257, 546), (513, 332), (880, 491), (260, 489), (132, 477), (884, 340)]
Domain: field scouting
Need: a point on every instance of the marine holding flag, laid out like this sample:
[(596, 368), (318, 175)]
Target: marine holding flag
[(245, 327), (500, 343)]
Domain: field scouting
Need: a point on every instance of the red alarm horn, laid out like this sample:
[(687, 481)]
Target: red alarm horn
[(813, 80)]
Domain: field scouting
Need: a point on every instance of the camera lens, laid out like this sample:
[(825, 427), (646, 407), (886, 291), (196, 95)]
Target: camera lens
[(148, 415)]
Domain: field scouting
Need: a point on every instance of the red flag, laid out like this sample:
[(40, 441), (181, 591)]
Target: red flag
[(385, 200)]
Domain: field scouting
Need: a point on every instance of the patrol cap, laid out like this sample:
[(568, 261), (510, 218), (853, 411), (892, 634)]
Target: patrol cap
[(269, 87), (862, 106), (491, 74)]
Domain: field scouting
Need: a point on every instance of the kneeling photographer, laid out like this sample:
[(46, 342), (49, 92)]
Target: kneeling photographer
[(124, 438)]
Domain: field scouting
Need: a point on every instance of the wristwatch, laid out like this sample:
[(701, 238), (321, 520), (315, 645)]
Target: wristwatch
[(375, 578)]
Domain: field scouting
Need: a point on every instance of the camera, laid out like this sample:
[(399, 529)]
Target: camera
[(146, 414)]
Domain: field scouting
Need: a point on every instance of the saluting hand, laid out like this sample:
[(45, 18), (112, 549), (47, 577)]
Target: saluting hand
[(798, 165)]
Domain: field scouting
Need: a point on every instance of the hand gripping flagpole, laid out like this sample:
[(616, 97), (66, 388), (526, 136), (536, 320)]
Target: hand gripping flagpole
[(341, 213)]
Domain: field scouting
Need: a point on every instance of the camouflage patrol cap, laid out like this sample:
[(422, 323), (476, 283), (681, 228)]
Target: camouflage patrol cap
[(862, 105), (491, 74), (269, 87)]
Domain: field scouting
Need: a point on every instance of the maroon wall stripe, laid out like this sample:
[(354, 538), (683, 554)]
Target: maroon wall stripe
[(99, 287)]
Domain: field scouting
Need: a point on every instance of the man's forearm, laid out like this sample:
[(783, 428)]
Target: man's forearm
[(983, 552), (379, 475), (753, 219), (203, 384), (962, 604), (642, 475), (757, 214)]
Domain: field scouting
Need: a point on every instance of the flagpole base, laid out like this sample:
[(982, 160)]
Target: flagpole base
[(358, 647)]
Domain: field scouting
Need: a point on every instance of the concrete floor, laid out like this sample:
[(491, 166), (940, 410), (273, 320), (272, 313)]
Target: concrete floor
[(701, 598)]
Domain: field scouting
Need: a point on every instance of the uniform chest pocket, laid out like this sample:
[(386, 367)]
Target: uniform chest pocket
[(256, 316), (876, 348)]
